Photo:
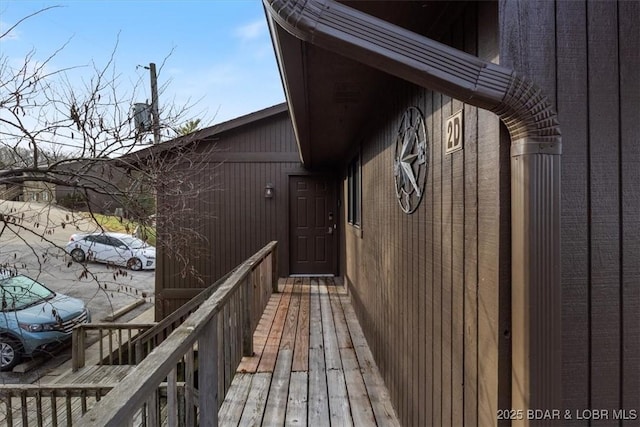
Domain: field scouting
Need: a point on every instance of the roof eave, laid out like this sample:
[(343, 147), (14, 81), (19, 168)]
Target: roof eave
[(420, 60)]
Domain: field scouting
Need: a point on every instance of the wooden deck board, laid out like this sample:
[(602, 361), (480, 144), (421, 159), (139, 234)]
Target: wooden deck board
[(339, 404), (250, 364), (97, 374), (232, 407), (315, 367), (301, 353), (270, 353), (318, 410), (276, 408), (256, 400), (377, 391), (330, 340), (297, 401)]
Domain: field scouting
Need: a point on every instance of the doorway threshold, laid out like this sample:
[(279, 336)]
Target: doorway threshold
[(312, 275)]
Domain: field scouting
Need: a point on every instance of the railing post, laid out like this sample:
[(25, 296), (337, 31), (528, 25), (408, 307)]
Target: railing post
[(77, 348), (208, 373), (274, 269), (247, 321)]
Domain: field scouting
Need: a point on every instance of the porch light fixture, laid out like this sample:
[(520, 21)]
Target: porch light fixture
[(268, 191)]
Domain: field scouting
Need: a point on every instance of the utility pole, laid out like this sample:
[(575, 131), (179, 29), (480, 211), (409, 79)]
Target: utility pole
[(155, 116)]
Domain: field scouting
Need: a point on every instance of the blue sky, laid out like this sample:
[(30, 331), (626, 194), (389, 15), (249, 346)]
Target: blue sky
[(222, 51)]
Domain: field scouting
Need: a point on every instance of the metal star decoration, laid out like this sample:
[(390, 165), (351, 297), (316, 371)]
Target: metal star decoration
[(411, 161)]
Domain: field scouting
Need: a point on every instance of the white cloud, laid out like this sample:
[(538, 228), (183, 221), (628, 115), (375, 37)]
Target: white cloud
[(251, 31)]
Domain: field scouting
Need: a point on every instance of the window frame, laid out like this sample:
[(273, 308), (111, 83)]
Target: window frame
[(354, 192)]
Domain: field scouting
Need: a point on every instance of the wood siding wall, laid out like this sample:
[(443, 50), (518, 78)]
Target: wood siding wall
[(586, 56), (431, 289), (233, 214)]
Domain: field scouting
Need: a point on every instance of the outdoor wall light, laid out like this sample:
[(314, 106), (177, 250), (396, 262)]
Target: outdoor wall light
[(268, 191)]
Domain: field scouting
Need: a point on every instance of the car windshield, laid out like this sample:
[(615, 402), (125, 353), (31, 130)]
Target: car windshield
[(21, 292), (134, 243)]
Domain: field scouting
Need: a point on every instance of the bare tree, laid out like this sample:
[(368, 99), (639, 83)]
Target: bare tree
[(73, 129)]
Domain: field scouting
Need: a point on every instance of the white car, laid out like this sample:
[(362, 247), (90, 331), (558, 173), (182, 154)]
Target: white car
[(112, 248)]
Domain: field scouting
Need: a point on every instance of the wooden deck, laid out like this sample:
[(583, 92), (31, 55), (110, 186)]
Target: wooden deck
[(312, 365)]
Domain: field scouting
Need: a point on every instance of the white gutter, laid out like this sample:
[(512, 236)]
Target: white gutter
[(535, 165)]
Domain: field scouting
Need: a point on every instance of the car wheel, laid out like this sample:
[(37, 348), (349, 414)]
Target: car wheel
[(134, 264), (78, 255), (10, 353)]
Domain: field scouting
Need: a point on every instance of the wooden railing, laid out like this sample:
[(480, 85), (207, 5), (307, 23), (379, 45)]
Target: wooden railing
[(200, 355), (128, 343), (28, 404), (11, 192), (150, 339), (115, 343), (64, 404)]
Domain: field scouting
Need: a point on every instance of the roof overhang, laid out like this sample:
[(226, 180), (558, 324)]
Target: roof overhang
[(335, 57), (331, 87)]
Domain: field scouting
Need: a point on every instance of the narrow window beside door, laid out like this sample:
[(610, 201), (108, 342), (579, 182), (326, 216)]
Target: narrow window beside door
[(354, 192)]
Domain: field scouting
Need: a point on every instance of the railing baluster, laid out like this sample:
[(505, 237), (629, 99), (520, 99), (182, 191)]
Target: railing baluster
[(220, 354), (152, 409), (54, 408), (247, 324), (6, 398), (227, 347), (172, 399), (83, 401), (39, 407), (110, 347), (189, 388), (181, 404), (120, 357), (67, 399), (208, 373), (100, 339), (23, 402), (130, 347)]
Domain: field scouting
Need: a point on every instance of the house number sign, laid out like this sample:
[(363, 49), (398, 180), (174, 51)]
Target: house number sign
[(411, 160), (454, 134)]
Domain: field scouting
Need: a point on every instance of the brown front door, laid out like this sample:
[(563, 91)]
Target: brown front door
[(313, 213)]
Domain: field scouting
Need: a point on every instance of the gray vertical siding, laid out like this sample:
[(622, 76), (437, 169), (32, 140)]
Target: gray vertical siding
[(629, 86), (585, 56), (431, 288)]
